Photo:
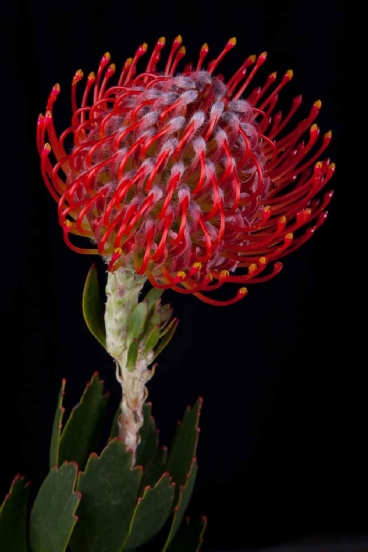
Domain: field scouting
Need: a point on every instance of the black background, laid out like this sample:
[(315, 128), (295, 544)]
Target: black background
[(282, 448)]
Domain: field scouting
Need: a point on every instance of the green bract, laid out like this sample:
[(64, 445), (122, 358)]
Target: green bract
[(150, 326)]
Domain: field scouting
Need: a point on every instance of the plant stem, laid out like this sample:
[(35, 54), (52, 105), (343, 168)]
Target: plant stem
[(122, 290)]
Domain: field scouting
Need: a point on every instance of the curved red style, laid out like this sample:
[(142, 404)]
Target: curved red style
[(182, 178)]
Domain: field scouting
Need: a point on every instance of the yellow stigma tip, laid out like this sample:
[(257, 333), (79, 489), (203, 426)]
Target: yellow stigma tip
[(47, 147), (253, 58), (318, 104), (77, 77), (209, 277), (267, 208), (57, 87), (112, 67), (314, 127), (129, 61), (282, 220), (179, 38), (224, 273), (91, 76), (162, 40), (243, 291), (252, 267), (181, 274), (182, 50), (289, 236), (232, 41), (144, 46), (205, 47), (107, 55), (328, 134), (263, 260), (332, 166), (274, 74), (67, 223), (289, 74), (263, 54), (48, 114), (197, 265), (118, 251), (318, 165), (307, 211)]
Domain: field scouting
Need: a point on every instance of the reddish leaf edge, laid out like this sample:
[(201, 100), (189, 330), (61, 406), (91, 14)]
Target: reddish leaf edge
[(17, 477)]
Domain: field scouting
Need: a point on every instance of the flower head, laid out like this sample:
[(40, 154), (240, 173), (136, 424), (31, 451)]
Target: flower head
[(179, 176)]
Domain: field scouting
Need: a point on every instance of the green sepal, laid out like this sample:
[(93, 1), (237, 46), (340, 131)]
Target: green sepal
[(137, 320), (153, 320), (81, 432), (132, 355), (166, 334), (13, 518), (185, 492), (184, 448), (93, 312), (168, 328), (153, 296), (166, 314), (151, 512), (53, 514), (56, 428), (109, 488), (152, 340), (189, 537)]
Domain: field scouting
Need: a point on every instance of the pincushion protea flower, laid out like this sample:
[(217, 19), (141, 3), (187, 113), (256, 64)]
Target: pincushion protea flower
[(180, 177)]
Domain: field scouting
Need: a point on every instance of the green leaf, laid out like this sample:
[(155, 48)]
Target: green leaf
[(115, 425), (184, 447), (53, 513), (153, 296), (13, 518), (167, 334), (152, 340), (151, 512), (109, 488), (137, 320), (92, 306), (185, 492), (81, 432), (148, 446), (155, 469), (143, 432), (132, 355), (56, 428), (189, 537)]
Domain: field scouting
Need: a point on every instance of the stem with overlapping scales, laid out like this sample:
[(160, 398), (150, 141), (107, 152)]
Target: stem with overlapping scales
[(122, 290)]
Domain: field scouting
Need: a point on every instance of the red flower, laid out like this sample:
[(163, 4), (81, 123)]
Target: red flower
[(179, 176)]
